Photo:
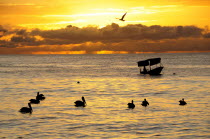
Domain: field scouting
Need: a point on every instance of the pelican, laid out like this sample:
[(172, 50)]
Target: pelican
[(40, 96), (26, 109), (79, 103), (145, 103), (131, 105), (34, 101), (182, 102), (122, 18)]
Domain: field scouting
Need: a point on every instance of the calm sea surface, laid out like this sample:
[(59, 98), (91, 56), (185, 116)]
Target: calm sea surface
[(108, 82)]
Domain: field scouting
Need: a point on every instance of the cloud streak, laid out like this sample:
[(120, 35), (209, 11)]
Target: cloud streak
[(133, 38)]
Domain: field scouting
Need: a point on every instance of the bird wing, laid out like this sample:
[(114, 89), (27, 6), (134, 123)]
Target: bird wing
[(124, 15)]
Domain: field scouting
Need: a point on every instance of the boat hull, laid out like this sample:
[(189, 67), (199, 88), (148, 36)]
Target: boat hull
[(155, 71)]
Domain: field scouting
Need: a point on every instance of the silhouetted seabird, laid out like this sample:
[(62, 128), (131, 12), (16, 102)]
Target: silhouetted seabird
[(26, 109), (40, 96), (182, 102), (131, 105), (78, 82), (79, 103), (34, 101), (122, 18), (145, 103)]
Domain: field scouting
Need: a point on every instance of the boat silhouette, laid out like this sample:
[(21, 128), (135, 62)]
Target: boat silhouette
[(147, 66)]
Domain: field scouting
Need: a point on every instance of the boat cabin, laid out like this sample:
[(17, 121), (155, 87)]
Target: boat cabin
[(150, 66)]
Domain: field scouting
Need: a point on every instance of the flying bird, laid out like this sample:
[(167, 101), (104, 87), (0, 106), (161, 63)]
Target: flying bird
[(122, 18)]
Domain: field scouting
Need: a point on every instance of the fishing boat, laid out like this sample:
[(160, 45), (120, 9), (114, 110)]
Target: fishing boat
[(151, 66)]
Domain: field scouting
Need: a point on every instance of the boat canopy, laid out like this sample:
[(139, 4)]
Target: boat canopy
[(143, 63), (150, 62)]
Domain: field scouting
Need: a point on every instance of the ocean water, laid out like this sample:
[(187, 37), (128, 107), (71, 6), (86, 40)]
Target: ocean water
[(108, 83)]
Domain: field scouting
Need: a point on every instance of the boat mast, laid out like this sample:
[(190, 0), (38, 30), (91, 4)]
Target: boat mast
[(149, 65)]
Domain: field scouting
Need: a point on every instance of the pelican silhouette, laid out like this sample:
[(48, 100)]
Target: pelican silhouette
[(122, 18), (80, 103), (182, 102), (131, 105), (40, 96), (26, 109), (145, 103), (34, 101)]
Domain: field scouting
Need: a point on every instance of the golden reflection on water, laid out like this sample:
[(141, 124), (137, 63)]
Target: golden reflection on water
[(106, 111), (107, 91)]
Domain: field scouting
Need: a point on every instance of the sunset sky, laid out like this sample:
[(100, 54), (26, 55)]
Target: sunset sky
[(91, 26)]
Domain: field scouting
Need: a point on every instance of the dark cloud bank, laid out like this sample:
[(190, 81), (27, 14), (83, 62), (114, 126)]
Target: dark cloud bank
[(131, 38)]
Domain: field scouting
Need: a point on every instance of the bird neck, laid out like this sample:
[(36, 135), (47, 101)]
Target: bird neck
[(29, 106), (83, 99), (37, 97)]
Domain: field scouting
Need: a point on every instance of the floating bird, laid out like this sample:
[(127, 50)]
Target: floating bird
[(145, 103), (79, 103), (78, 81), (122, 18), (34, 101), (40, 96), (182, 102), (26, 109), (131, 105)]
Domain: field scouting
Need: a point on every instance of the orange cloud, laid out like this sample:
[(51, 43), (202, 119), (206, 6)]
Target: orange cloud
[(134, 38)]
